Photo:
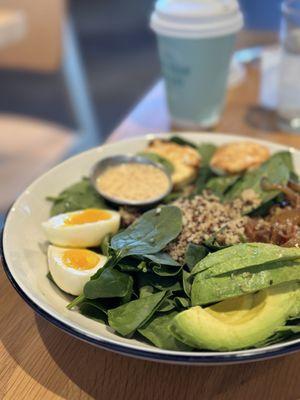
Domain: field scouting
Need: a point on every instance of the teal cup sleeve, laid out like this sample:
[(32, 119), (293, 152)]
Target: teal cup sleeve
[(195, 73)]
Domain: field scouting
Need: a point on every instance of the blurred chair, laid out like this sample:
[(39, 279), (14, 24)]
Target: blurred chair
[(12, 27), (261, 15), (30, 146)]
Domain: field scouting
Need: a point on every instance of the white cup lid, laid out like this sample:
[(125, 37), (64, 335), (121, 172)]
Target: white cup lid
[(196, 18)]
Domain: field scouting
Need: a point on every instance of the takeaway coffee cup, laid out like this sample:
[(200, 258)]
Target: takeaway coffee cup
[(195, 43)]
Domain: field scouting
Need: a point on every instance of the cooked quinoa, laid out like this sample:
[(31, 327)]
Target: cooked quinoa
[(204, 215)]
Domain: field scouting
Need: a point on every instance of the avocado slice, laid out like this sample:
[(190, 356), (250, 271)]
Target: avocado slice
[(243, 255), (211, 290), (237, 323)]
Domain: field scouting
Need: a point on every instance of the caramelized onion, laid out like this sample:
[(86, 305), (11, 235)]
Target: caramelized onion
[(291, 195), (282, 225), (293, 242), (291, 216), (259, 230), (294, 186)]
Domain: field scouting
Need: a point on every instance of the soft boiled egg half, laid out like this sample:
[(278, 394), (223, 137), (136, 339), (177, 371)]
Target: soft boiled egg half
[(72, 268), (83, 228)]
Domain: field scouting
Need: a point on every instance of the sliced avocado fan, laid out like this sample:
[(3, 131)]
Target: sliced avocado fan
[(242, 269), (239, 322), (211, 290), (242, 256)]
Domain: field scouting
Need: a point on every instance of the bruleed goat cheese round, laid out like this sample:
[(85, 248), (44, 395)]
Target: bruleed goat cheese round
[(234, 158)]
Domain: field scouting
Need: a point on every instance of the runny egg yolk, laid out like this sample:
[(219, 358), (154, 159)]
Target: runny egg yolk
[(87, 216), (80, 259)]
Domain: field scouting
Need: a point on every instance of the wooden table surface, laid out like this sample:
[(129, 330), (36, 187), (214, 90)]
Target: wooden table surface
[(12, 26), (38, 361)]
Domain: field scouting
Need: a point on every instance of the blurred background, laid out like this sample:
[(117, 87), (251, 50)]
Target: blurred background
[(76, 67), (118, 52)]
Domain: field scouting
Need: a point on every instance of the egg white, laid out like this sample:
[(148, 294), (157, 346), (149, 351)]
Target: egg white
[(69, 279), (82, 235)]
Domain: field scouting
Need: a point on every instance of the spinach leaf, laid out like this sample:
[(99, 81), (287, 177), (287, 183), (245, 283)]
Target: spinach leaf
[(131, 264), (146, 291), (97, 304), (79, 196), (277, 337), (162, 259), (166, 305), (289, 328), (142, 266), (124, 266), (172, 197), (168, 284), (130, 316), (281, 335), (129, 293), (110, 283), (150, 233), (287, 159), (186, 282), (295, 319), (76, 301), (206, 151), (166, 164), (181, 141), (205, 173), (105, 245), (164, 283), (294, 177), (157, 332), (111, 262), (94, 309), (90, 311), (264, 209), (212, 244), (166, 270), (181, 302), (220, 184), (194, 253), (275, 170), (97, 309)]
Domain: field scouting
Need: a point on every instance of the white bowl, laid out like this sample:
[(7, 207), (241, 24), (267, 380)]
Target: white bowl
[(26, 267)]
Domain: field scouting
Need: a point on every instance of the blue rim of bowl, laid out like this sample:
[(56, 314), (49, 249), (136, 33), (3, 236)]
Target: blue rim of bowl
[(143, 354)]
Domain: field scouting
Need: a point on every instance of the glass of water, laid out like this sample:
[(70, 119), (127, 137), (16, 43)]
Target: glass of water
[(289, 78)]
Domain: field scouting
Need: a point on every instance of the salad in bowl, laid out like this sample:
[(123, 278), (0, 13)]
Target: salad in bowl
[(212, 266)]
